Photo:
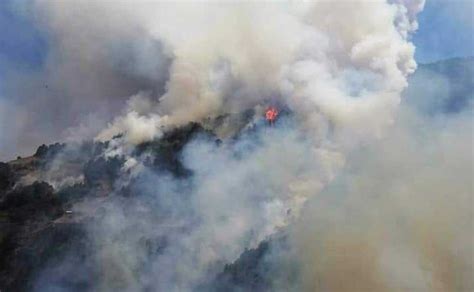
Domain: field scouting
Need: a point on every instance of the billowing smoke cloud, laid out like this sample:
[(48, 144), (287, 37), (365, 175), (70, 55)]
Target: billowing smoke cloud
[(307, 56), (337, 68)]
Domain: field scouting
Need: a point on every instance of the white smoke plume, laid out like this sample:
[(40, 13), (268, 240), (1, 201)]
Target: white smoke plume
[(307, 56)]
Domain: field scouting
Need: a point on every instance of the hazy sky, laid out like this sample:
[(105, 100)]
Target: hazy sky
[(445, 30)]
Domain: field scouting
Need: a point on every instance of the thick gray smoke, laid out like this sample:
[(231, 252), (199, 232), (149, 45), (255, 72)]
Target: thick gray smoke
[(337, 67), (342, 86)]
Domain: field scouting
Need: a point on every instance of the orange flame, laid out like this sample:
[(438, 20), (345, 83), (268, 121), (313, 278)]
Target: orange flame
[(271, 114)]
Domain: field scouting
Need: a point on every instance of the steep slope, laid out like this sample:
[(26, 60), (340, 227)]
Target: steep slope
[(38, 230), (44, 218)]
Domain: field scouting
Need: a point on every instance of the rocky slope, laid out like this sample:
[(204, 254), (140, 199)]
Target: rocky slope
[(37, 226)]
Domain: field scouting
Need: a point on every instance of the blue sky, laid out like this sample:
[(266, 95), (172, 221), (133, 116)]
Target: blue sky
[(446, 30), (22, 45)]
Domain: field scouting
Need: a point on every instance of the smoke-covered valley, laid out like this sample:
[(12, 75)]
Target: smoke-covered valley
[(173, 175)]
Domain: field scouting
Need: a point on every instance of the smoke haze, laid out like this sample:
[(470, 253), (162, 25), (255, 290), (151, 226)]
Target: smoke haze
[(402, 209), (352, 178)]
